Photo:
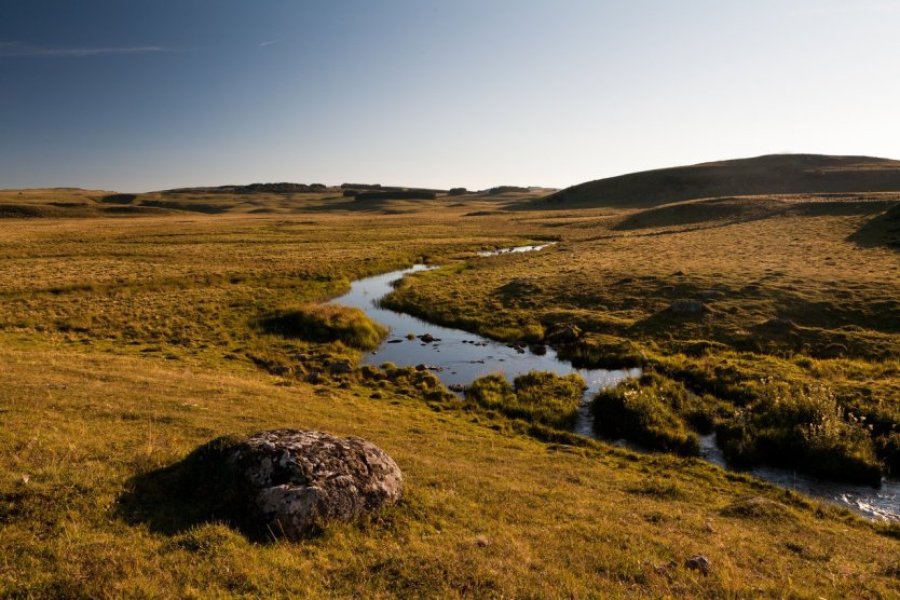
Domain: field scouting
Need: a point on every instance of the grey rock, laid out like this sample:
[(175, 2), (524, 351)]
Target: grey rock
[(298, 481)]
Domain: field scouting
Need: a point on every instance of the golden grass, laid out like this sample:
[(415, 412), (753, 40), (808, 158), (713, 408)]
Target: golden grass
[(484, 514), (125, 343)]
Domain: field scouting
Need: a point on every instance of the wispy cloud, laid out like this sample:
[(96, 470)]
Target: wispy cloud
[(18, 49), (884, 7), (269, 42)]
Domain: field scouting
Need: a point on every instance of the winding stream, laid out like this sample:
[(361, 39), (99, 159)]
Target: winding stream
[(458, 358)]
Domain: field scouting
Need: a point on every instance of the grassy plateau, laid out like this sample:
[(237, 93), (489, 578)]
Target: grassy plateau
[(130, 337)]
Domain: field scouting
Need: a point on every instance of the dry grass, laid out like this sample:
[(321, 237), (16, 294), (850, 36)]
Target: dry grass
[(484, 514)]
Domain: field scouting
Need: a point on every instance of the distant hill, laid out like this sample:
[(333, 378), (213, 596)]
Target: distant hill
[(255, 188), (772, 174)]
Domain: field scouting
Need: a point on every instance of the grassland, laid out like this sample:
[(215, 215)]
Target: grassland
[(126, 342), (790, 299)]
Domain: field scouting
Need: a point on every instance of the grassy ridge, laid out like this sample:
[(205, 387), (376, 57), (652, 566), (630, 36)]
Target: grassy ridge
[(773, 174)]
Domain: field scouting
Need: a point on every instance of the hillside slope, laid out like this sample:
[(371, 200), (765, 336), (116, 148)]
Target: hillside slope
[(773, 174)]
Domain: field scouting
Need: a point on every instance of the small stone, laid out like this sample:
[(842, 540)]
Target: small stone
[(698, 563)]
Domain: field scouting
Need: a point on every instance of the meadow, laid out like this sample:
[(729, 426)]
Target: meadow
[(791, 355), (130, 337)]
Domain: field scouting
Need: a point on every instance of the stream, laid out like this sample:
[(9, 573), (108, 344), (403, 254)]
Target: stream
[(458, 357)]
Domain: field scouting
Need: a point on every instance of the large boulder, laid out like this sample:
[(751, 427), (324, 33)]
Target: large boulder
[(297, 481)]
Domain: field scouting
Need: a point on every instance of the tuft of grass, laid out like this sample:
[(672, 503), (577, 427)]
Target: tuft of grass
[(645, 411), (326, 323), (657, 488), (537, 397), (757, 508)]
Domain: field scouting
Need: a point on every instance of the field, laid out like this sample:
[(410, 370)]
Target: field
[(130, 337)]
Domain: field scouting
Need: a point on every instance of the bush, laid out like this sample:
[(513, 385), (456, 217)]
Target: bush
[(328, 323), (803, 428), (537, 397), (646, 411)]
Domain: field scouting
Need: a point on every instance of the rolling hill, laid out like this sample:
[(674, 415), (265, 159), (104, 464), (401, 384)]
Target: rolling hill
[(764, 175)]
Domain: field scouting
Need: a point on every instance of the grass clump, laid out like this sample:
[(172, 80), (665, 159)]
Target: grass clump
[(537, 397), (660, 489), (328, 323), (756, 507), (645, 411)]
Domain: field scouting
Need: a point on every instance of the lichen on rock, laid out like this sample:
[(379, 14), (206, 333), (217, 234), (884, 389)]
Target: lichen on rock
[(300, 480)]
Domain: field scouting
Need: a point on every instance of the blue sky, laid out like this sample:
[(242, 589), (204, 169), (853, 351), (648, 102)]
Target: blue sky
[(136, 95)]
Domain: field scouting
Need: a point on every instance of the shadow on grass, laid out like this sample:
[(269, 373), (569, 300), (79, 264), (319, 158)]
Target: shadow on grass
[(882, 230), (199, 489)]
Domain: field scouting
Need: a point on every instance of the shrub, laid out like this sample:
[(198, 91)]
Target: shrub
[(804, 428), (328, 323)]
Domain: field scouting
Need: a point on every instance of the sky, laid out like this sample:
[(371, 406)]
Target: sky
[(140, 95)]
